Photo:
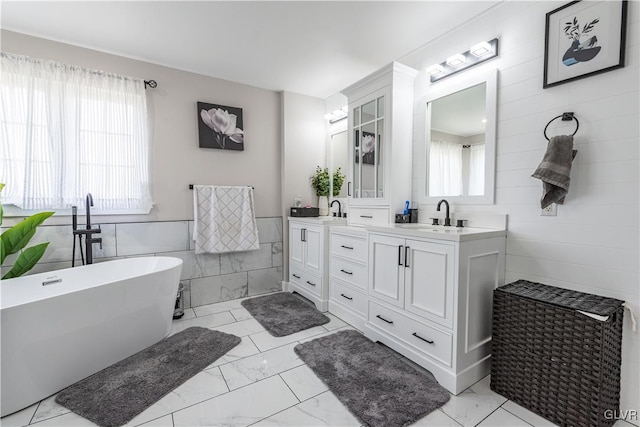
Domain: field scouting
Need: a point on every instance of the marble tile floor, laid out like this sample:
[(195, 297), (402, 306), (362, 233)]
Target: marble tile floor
[(262, 382)]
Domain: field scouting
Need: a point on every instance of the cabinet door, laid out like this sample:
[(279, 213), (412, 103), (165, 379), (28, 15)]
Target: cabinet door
[(429, 281), (367, 140), (313, 249), (296, 253), (386, 269)]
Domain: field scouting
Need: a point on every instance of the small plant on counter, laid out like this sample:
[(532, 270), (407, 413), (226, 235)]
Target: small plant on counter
[(338, 180), (320, 181), (16, 238)]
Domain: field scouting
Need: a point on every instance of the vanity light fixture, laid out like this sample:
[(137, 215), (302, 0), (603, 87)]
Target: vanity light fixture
[(456, 60), (337, 115), (435, 69), (478, 53), (480, 49)]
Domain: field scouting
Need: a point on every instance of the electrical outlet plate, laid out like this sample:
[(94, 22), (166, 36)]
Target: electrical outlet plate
[(551, 210)]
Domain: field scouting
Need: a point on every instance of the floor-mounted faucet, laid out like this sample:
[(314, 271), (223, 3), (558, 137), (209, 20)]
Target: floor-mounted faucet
[(88, 232), (447, 219)]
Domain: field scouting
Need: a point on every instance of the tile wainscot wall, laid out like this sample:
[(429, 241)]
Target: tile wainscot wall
[(207, 278)]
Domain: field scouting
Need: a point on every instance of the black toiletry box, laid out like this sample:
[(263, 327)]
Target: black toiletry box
[(305, 212)]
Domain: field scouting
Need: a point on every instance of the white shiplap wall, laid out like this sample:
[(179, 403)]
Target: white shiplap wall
[(592, 245)]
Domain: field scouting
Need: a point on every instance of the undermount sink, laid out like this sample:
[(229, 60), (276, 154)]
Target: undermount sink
[(428, 227)]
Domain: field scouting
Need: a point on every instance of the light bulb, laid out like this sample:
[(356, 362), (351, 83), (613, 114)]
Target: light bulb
[(435, 69), (480, 49)]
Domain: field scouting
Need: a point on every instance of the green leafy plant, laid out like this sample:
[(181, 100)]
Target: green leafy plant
[(320, 181), (338, 180), (16, 238)]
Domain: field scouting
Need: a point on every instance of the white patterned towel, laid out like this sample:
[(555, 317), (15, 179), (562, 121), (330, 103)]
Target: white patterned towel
[(224, 219)]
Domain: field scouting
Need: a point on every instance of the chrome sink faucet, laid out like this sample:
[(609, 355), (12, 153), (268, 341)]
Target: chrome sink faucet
[(447, 219)]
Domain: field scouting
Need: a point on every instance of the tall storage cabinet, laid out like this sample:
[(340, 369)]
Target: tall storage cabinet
[(380, 144)]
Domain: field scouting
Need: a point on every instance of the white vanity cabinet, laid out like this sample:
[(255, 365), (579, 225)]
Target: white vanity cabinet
[(430, 299), (308, 258), (348, 274), (380, 134), (415, 275)]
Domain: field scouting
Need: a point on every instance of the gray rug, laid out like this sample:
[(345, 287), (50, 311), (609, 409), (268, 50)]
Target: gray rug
[(371, 380), (284, 313), (115, 395)]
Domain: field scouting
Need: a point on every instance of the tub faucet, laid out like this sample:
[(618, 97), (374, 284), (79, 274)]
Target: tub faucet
[(447, 219), (88, 233), (339, 207)]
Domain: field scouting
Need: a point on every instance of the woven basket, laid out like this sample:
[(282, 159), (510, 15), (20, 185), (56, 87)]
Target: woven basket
[(553, 360)]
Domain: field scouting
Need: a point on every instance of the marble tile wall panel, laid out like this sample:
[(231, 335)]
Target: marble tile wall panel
[(276, 254), (151, 237), (195, 266), (263, 281), (269, 229), (235, 262), (60, 238), (186, 293), (212, 289)]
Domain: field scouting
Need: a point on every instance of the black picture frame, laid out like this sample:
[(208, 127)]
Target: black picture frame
[(584, 54), (216, 127)]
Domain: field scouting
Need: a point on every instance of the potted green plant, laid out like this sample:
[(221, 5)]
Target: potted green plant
[(320, 183), (338, 180), (16, 238)]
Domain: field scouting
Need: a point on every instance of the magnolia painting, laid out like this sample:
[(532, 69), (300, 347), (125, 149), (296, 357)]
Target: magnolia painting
[(220, 127)]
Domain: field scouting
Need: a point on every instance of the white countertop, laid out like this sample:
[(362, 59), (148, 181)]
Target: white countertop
[(438, 232), (320, 220)]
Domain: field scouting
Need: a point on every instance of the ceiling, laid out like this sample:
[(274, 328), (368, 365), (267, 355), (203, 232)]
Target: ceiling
[(314, 48), (461, 113)]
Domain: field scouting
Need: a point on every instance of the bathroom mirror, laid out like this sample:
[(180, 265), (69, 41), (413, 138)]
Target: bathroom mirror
[(458, 161), (339, 159)]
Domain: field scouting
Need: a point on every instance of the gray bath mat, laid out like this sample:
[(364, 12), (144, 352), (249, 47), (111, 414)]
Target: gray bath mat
[(115, 395), (371, 380), (284, 313)]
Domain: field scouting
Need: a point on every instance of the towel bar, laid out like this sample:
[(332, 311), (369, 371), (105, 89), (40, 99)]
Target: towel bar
[(191, 186), (566, 117)]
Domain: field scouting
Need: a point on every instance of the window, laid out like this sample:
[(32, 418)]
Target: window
[(66, 131)]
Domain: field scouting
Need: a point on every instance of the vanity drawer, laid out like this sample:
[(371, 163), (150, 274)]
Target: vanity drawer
[(433, 342), (368, 216), (306, 280), (347, 296), (347, 271), (349, 247)]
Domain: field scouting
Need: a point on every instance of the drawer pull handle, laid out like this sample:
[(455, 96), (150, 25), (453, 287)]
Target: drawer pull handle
[(344, 296), (346, 272), (366, 216), (346, 247), (296, 276), (312, 284), (406, 257), (423, 339), (383, 319)]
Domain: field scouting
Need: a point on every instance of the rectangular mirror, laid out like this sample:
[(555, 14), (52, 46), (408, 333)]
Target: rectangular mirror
[(459, 141)]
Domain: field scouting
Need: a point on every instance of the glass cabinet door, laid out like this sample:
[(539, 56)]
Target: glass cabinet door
[(368, 131)]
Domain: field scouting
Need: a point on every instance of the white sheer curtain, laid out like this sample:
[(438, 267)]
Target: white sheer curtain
[(66, 131), (445, 169), (476, 170)]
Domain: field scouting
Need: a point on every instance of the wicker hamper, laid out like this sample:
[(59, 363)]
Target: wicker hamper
[(553, 360)]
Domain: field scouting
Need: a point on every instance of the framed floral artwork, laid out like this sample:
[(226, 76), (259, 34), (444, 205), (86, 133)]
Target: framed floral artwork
[(583, 38), (220, 127)]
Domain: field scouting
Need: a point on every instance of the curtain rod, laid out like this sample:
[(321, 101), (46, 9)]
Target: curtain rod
[(151, 83)]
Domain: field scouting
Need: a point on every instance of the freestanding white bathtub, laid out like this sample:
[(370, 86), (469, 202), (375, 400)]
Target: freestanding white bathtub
[(62, 326)]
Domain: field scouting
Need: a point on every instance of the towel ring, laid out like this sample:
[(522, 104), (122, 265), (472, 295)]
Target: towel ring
[(566, 117)]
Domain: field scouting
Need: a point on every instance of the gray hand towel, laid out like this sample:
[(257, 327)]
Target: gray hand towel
[(554, 170)]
